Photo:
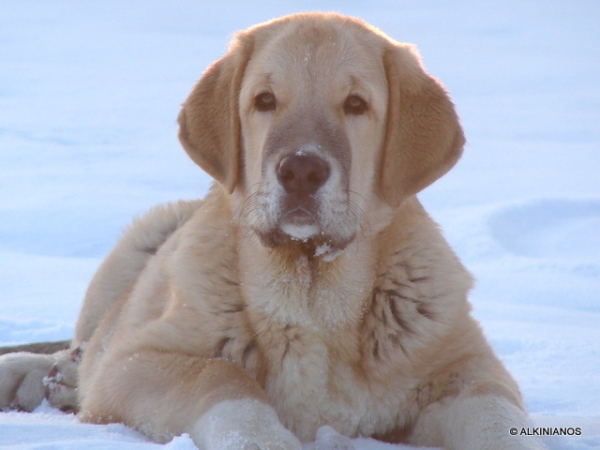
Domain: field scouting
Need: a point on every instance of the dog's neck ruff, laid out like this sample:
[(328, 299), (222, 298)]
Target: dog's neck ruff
[(308, 284)]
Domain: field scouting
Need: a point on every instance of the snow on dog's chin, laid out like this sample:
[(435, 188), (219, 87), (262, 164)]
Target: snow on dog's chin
[(300, 232)]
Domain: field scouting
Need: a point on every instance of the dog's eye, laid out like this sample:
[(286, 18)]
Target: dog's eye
[(265, 102), (355, 105)]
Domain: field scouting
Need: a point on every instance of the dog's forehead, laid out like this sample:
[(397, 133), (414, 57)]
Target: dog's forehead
[(317, 52)]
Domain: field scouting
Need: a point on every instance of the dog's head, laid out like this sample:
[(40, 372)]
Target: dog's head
[(317, 121)]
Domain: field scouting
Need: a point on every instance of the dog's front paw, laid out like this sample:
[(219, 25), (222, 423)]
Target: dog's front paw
[(329, 439), (245, 424), (61, 381), (21, 376)]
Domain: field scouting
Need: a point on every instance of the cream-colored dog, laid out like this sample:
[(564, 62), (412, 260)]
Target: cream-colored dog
[(308, 296)]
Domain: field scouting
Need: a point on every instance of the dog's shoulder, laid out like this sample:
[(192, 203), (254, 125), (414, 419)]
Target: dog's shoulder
[(413, 249), (189, 294), (419, 293)]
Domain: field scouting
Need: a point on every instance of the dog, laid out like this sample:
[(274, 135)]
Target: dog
[(308, 296)]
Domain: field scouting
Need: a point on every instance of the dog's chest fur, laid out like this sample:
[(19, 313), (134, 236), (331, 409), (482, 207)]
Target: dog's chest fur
[(327, 349)]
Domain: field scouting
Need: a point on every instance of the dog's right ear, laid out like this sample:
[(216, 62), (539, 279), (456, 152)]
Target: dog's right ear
[(209, 123)]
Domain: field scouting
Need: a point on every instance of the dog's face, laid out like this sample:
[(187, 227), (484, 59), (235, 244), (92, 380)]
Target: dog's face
[(312, 110), (318, 122)]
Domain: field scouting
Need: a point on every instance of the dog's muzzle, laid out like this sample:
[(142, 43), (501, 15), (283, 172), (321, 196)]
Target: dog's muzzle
[(301, 175)]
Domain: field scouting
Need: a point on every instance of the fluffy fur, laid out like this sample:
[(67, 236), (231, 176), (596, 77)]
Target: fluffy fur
[(267, 314)]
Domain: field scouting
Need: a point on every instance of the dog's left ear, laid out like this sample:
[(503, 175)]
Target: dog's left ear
[(209, 123), (424, 138)]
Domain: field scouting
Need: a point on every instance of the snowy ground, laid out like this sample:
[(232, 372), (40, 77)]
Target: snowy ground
[(89, 92)]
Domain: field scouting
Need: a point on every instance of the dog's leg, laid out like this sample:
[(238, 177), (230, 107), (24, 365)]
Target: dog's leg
[(21, 376), (165, 394), (329, 439), (474, 422), (245, 423), (26, 378)]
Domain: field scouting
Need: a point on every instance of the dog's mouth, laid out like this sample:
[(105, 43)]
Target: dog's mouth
[(299, 229), (318, 245), (300, 224)]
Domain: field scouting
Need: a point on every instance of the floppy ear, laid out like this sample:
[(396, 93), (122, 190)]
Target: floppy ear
[(423, 138), (209, 123)]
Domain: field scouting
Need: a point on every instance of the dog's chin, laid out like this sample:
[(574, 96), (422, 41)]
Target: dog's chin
[(307, 239), (300, 232)]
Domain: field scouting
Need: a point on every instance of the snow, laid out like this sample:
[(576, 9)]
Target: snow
[(89, 93), (328, 254)]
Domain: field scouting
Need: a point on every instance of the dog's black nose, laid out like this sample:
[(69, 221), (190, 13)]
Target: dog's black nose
[(302, 174)]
